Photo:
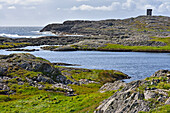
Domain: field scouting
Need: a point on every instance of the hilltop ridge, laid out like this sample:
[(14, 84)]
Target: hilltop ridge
[(113, 27)]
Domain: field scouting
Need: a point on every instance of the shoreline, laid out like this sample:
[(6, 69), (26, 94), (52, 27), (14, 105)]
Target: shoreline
[(54, 85)]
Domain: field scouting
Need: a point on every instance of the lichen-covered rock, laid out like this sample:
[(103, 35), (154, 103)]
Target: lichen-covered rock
[(168, 101), (149, 94), (112, 86), (126, 100), (31, 63), (23, 69), (86, 81), (2, 70), (161, 73), (136, 96)]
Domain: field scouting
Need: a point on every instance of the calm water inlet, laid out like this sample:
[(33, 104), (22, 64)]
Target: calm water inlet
[(138, 65)]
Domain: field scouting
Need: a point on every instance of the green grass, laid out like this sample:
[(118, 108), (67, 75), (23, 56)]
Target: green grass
[(49, 47), (85, 88), (165, 40), (162, 109), (118, 47), (42, 59), (160, 85), (13, 45), (101, 76), (134, 48), (22, 73), (42, 101), (29, 99)]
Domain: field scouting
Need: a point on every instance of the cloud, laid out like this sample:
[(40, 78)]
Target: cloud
[(164, 7), (129, 4), (58, 8), (29, 7), (12, 7), (149, 7), (84, 7), (1, 6), (21, 2), (81, 0)]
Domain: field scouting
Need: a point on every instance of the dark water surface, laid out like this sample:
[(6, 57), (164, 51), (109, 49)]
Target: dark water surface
[(138, 65), (23, 32)]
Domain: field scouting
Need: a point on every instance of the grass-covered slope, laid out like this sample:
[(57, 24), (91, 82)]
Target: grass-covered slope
[(101, 76), (33, 84), (117, 47)]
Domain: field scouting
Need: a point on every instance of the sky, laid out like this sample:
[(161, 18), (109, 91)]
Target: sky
[(43, 12)]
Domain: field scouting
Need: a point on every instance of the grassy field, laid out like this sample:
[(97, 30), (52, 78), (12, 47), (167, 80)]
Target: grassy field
[(117, 47), (29, 99), (33, 100)]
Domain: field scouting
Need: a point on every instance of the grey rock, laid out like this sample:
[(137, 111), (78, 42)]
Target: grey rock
[(160, 73), (112, 86), (126, 100), (168, 101), (86, 81), (63, 86), (45, 79), (3, 70), (20, 83), (162, 99), (5, 87), (149, 94)]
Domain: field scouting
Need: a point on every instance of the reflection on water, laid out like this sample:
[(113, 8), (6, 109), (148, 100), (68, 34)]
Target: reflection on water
[(138, 65)]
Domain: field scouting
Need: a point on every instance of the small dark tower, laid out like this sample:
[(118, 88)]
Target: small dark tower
[(149, 12)]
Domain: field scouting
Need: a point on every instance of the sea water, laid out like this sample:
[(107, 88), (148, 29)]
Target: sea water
[(23, 32)]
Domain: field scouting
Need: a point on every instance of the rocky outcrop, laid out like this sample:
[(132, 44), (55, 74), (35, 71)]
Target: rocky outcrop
[(128, 32), (112, 86), (110, 27), (81, 76), (99, 45), (24, 68), (161, 73), (136, 96), (131, 31), (31, 63)]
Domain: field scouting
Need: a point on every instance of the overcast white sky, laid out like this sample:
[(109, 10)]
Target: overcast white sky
[(42, 12)]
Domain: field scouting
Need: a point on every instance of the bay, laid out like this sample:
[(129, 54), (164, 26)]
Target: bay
[(138, 65)]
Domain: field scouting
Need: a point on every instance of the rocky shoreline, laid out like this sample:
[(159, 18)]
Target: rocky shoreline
[(25, 70), (50, 74), (35, 83), (142, 31), (134, 99)]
